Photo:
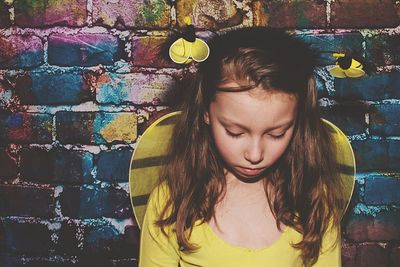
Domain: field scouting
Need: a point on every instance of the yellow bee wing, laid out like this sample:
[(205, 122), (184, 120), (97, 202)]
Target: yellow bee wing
[(354, 73), (200, 50), (180, 51), (355, 69), (337, 72)]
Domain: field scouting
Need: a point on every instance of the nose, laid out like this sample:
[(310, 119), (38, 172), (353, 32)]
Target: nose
[(254, 152)]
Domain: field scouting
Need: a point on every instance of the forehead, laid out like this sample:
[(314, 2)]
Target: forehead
[(255, 108)]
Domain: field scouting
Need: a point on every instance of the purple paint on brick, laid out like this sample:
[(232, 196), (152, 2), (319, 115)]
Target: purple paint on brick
[(21, 51)]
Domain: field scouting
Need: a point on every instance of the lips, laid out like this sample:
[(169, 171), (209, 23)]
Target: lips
[(251, 172)]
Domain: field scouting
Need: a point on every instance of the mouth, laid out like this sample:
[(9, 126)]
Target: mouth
[(251, 172)]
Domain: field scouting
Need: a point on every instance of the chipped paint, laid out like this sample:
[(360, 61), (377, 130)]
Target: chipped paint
[(121, 127)]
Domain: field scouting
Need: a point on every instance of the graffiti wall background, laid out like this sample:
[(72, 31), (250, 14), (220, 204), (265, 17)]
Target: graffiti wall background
[(80, 80)]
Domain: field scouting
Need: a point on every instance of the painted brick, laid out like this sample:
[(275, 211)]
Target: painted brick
[(334, 42), (102, 238), (95, 202), (136, 88), (69, 237), (383, 49), (321, 87), (52, 88), (208, 14), (26, 128), (371, 155), (394, 155), (37, 165), (372, 255), (113, 166), (349, 118), (348, 255), (146, 52), (384, 227), (4, 16), (96, 128), (127, 14), (84, 49), (395, 256), (21, 51), (8, 165), (40, 13), (384, 190), (12, 260), (75, 127), (73, 167), (364, 14), (18, 200), (384, 119), (372, 87), (26, 237), (290, 14)]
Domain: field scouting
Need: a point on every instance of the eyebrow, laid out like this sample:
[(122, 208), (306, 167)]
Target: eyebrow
[(287, 124)]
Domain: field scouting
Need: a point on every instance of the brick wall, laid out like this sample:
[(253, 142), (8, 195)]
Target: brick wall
[(80, 79)]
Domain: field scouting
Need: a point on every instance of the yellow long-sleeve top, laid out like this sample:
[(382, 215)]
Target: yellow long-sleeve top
[(156, 249)]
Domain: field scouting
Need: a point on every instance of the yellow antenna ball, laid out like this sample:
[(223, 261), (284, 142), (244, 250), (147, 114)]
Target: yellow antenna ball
[(187, 20)]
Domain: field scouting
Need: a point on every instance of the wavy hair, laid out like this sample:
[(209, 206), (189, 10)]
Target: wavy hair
[(305, 181)]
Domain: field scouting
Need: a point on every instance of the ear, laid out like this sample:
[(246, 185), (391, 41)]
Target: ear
[(206, 118)]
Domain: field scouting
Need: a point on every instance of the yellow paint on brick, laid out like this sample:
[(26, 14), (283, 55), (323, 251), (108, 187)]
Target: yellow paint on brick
[(122, 128)]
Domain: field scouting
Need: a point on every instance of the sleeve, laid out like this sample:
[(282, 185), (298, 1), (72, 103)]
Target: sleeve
[(156, 249), (330, 255)]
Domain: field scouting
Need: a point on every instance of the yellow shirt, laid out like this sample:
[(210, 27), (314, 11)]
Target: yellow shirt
[(158, 250)]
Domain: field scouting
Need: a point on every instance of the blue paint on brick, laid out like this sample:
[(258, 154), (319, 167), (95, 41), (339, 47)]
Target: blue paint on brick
[(113, 166), (382, 190), (73, 167), (384, 120), (330, 42), (350, 119), (15, 120), (371, 155), (29, 59), (114, 92), (52, 88), (370, 87), (101, 232), (84, 50), (394, 155)]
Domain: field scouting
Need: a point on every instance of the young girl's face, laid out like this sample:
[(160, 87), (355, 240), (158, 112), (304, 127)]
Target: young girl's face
[(251, 129)]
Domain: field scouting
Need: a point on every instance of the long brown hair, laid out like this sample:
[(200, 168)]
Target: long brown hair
[(305, 181)]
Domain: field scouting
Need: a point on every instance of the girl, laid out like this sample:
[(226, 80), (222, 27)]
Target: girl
[(251, 179)]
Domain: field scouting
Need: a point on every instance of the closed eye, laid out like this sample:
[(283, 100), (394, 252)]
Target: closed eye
[(277, 136), (233, 135)]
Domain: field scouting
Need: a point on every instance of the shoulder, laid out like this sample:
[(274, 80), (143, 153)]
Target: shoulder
[(158, 199)]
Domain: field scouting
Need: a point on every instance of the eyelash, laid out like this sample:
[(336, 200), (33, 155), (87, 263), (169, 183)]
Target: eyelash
[(238, 135)]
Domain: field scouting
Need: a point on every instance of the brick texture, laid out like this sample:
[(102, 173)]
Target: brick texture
[(8, 165), (385, 226), (147, 52), (26, 201), (95, 202), (382, 190), (372, 256), (113, 166), (384, 120), (290, 14), (21, 51), (96, 128), (209, 14), (350, 119), (40, 13), (51, 88), (26, 128), (137, 88), (364, 14), (124, 14), (84, 49), (383, 49), (4, 16)]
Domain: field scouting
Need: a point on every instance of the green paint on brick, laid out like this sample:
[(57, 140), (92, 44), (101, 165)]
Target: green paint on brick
[(154, 11)]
